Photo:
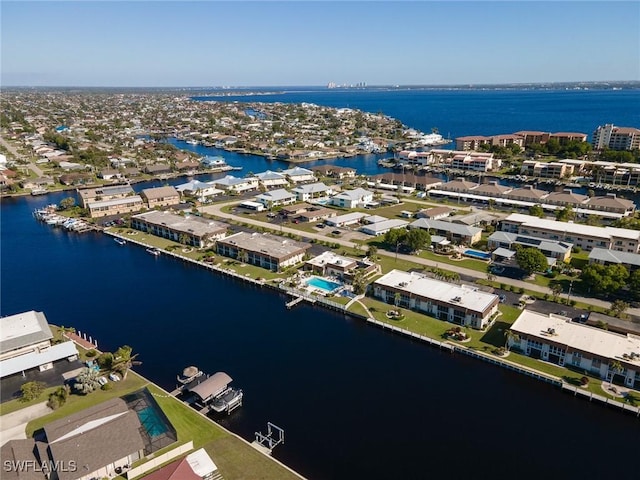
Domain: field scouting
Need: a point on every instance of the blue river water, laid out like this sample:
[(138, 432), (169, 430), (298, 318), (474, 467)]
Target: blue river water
[(355, 402)]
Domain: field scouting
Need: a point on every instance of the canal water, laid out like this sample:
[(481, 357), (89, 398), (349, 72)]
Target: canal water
[(354, 401)]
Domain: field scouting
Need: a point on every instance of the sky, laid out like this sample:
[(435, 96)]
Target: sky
[(265, 43)]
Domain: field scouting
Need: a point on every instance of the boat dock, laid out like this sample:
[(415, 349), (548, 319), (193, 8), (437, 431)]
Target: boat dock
[(266, 442)]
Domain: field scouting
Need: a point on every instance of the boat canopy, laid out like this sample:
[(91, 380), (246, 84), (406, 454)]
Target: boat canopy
[(212, 386)]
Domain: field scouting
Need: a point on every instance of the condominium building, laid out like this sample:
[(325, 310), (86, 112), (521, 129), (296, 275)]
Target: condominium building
[(586, 237), (616, 138), (188, 229), (263, 249), (460, 304), (557, 339)]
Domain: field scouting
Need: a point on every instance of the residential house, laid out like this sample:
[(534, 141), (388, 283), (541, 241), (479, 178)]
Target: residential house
[(358, 197), (382, 227), (316, 214), (158, 169), (202, 191), (271, 179), (299, 175), (453, 232), (233, 184), (552, 249), (604, 256), (307, 192), (460, 304), (276, 198)]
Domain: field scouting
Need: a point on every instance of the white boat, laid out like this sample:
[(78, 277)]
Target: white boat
[(39, 191), (189, 374), (120, 241), (229, 400), (193, 142), (153, 251)]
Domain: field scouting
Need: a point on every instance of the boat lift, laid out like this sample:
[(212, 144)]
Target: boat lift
[(269, 440)]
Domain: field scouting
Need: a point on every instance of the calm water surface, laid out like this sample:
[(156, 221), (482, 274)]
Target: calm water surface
[(355, 402)]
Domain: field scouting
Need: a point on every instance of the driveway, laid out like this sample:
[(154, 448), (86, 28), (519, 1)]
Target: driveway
[(13, 425)]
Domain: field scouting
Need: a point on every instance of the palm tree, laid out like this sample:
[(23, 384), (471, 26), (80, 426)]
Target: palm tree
[(614, 367), (123, 360), (510, 337)]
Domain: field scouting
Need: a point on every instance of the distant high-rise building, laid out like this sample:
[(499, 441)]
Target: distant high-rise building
[(616, 138)]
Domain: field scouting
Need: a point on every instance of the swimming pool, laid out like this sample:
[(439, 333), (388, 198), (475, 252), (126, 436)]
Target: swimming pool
[(152, 422), (477, 254), (323, 284)]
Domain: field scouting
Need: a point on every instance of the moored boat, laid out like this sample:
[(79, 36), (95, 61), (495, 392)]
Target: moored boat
[(189, 374), (153, 251), (120, 241)]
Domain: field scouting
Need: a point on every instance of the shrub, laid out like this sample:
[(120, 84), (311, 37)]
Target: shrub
[(91, 353), (584, 381), (546, 296), (31, 391), (105, 360), (106, 386), (521, 290)]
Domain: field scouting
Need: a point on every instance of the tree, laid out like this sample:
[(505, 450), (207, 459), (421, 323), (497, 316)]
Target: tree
[(67, 203), (123, 360), (31, 391), (359, 284), (565, 214), (372, 252), (87, 381), (536, 211), (618, 307), (531, 260), (601, 279), (183, 238), (556, 290), (417, 239), (510, 338), (615, 367)]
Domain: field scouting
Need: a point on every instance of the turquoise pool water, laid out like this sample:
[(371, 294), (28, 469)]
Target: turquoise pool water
[(477, 254), (152, 422), (323, 284)]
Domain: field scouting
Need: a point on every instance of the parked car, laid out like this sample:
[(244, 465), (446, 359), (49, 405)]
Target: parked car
[(102, 380), (320, 225), (503, 298), (336, 232), (114, 377)]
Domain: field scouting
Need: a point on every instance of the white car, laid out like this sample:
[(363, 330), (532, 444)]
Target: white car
[(102, 380), (114, 377)]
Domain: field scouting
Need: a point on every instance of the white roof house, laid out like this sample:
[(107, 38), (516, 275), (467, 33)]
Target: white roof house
[(352, 198), (36, 359), (380, 228), (276, 197), (270, 178), (347, 219), (230, 182), (201, 190), (23, 329), (299, 174), (311, 190)]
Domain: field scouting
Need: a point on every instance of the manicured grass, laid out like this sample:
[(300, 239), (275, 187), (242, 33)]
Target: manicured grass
[(477, 265), (357, 309), (18, 404), (75, 402)]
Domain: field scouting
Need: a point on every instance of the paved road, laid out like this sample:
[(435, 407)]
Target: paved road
[(13, 425), (19, 156), (216, 210)]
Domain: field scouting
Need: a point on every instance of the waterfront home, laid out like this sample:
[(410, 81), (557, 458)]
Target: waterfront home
[(611, 203), (460, 185), (552, 249), (453, 232), (435, 213), (262, 249), (110, 174), (213, 161), (475, 163), (334, 171), (88, 195), (331, 264), (586, 237), (358, 197), (534, 168), (26, 345), (304, 193), (40, 182), (117, 206), (77, 178), (188, 229), (382, 227), (158, 169), (202, 191), (565, 198), (230, 183), (271, 179), (491, 189), (526, 194), (97, 442), (604, 256), (556, 339), (276, 198), (160, 196), (460, 304), (299, 175), (415, 158)]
